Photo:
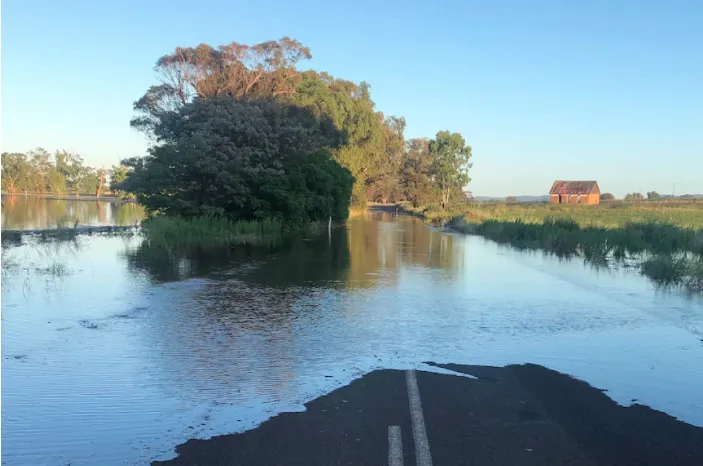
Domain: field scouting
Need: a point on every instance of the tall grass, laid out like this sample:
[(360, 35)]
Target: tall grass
[(171, 231), (610, 215), (564, 235)]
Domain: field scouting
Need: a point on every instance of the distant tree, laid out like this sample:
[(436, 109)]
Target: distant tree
[(87, 181), (364, 132), (416, 173), (466, 196), (606, 197), (118, 174), (16, 172), (634, 197), (450, 163), (653, 195), (77, 176), (511, 200), (41, 170), (38, 172), (56, 182), (101, 175), (383, 183)]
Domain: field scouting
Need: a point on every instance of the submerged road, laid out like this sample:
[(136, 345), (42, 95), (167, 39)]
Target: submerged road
[(515, 415)]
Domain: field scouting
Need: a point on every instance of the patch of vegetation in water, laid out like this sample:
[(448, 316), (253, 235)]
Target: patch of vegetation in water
[(56, 269), (565, 236), (671, 271), (57, 235), (671, 255), (209, 231)]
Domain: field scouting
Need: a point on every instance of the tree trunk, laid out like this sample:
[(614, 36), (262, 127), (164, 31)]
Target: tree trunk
[(101, 181), (445, 198)]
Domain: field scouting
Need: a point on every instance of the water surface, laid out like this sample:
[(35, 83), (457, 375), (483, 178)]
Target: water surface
[(36, 212), (123, 352)]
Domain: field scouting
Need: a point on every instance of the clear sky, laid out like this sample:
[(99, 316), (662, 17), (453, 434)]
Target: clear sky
[(610, 90)]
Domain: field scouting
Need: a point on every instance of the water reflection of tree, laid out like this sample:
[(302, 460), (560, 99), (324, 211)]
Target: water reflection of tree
[(315, 259), (301, 260), (167, 265), (230, 342), (245, 335), (380, 247), (34, 212), (429, 247), (234, 336)]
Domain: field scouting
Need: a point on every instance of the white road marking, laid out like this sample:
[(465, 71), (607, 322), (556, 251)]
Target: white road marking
[(422, 445), (395, 446), (442, 370)]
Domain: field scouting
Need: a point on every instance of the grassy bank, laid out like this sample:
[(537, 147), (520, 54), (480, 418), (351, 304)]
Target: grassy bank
[(664, 240), (607, 215)]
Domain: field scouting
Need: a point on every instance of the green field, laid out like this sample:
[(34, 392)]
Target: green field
[(607, 215)]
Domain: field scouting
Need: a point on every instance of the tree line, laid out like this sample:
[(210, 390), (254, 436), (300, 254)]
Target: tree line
[(239, 130), (40, 172), (650, 196)]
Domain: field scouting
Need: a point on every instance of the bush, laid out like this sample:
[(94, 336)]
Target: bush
[(243, 160), (314, 188), (175, 231)]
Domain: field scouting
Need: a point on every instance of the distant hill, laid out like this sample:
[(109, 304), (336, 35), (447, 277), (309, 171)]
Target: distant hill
[(683, 196)]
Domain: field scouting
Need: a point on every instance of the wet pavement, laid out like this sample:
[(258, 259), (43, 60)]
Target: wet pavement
[(514, 415)]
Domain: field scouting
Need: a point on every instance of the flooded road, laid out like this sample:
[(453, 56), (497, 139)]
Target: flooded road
[(114, 354)]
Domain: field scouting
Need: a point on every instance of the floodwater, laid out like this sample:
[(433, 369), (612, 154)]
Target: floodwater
[(114, 353), (38, 213)]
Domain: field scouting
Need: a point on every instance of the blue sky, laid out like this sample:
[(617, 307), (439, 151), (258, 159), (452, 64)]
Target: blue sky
[(605, 90)]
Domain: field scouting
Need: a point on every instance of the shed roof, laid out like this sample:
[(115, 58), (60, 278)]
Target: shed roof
[(574, 187)]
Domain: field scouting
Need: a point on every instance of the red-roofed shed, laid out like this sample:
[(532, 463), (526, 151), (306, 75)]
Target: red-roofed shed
[(574, 192)]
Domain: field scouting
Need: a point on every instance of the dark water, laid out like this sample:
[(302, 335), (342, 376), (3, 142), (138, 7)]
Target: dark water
[(33, 212), (113, 353)]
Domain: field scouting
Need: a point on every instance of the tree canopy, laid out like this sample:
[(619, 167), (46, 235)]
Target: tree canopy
[(248, 160), (450, 163), (634, 196), (240, 71), (235, 127)]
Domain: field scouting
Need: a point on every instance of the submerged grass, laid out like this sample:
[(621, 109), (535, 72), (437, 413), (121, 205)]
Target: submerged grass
[(172, 231), (56, 269), (664, 240), (562, 235), (58, 235), (670, 271)]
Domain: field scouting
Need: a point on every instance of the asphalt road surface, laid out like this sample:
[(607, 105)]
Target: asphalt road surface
[(513, 415)]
